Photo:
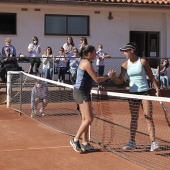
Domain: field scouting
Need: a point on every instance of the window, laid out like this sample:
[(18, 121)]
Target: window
[(8, 23), (66, 25)]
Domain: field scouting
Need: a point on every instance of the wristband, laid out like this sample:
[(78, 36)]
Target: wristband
[(109, 75)]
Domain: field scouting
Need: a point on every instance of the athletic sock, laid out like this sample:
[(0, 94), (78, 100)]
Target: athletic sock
[(76, 140), (84, 143)]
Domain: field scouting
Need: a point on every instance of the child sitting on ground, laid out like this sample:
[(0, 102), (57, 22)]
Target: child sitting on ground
[(39, 94)]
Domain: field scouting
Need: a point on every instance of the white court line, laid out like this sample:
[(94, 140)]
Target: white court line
[(8, 119), (36, 148)]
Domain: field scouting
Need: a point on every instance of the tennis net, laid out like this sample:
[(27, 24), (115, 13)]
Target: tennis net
[(112, 117)]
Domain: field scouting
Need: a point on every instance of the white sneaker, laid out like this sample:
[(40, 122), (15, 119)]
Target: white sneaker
[(34, 112), (42, 112), (130, 145), (154, 146)]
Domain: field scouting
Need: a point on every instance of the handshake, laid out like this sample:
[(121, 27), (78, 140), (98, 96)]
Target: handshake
[(111, 73)]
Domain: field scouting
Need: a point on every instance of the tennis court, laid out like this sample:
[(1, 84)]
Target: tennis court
[(28, 145), (110, 128)]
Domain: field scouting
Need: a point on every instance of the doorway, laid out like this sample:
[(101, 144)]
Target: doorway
[(148, 44)]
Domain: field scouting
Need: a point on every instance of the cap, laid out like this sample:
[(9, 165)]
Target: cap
[(8, 40), (129, 46)]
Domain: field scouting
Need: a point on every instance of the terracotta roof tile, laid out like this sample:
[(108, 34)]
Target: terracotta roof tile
[(132, 1), (164, 3)]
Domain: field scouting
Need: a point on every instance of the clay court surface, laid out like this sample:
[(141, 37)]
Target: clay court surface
[(28, 145)]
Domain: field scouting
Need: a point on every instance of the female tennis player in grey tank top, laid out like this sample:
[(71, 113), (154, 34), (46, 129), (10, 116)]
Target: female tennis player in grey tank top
[(83, 81), (81, 94), (137, 69)]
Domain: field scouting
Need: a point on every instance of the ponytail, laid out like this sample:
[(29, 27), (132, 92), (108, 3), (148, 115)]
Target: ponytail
[(85, 50)]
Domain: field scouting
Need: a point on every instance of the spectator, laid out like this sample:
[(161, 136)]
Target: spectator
[(8, 63), (83, 43), (101, 56), (34, 51), (39, 94), (61, 61), (74, 62), (10, 47), (163, 73), (48, 63), (68, 47), (2, 72)]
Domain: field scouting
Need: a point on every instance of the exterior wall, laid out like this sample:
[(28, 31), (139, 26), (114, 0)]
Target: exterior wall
[(111, 33)]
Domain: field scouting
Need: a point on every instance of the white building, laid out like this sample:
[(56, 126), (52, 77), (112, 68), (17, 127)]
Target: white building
[(110, 22)]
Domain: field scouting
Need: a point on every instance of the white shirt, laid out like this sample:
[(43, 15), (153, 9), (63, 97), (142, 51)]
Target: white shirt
[(68, 47), (61, 61), (47, 62), (100, 54), (35, 52)]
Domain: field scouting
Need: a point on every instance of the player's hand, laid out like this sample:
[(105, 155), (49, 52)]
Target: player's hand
[(158, 93), (111, 73)]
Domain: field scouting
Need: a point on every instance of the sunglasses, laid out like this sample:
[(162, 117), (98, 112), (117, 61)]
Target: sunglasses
[(48, 49)]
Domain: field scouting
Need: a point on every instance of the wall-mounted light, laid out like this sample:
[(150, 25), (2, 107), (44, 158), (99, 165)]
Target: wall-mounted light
[(110, 16)]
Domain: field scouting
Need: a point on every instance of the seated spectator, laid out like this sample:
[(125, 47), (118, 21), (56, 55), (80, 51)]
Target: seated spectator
[(48, 63), (9, 60), (10, 47), (163, 73), (39, 94), (2, 72), (34, 51), (74, 62), (8, 63), (68, 47), (61, 61)]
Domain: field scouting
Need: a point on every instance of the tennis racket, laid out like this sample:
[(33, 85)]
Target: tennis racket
[(167, 114)]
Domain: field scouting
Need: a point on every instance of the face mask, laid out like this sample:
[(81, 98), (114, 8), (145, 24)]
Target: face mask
[(35, 42), (7, 44), (39, 85), (99, 49)]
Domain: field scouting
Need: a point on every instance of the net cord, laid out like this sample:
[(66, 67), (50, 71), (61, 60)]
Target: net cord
[(112, 94), (132, 96)]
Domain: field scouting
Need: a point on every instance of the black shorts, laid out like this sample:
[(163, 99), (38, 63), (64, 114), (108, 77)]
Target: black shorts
[(139, 93), (79, 96)]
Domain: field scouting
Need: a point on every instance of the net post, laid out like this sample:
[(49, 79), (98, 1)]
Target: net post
[(53, 68), (21, 79), (8, 89)]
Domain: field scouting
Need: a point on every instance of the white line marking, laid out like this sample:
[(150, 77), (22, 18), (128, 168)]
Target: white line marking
[(36, 148), (8, 119)]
